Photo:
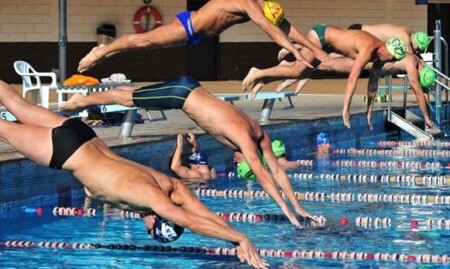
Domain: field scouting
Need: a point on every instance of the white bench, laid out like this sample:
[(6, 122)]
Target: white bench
[(6, 115), (229, 97), (269, 99), (130, 112)]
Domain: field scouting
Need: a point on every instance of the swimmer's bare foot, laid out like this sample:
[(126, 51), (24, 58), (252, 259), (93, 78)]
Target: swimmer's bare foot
[(300, 85), (283, 53), (285, 84), (256, 87), (72, 103), (250, 78), (90, 59)]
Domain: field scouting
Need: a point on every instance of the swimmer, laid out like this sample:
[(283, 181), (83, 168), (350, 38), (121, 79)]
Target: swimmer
[(358, 45), (416, 42), (198, 169), (421, 78), (279, 149), (210, 20), (323, 145), (225, 122), (69, 144)]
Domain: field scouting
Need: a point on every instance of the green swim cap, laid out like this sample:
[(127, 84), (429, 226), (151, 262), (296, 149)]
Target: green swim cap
[(278, 148), (244, 171), (427, 77), (422, 40), (396, 47)]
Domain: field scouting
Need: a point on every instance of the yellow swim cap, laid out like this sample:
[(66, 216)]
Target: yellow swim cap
[(274, 12)]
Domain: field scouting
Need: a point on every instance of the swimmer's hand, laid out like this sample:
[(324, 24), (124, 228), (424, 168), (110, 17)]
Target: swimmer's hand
[(284, 52), (91, 59), (305, 215), (431, 127), (192, 141), (346, 119), (302, 59), (179, 140), (292, 218), (321, 56), (369, 121), (246, 252)]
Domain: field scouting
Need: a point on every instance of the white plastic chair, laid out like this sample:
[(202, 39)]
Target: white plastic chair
[(31, 81)]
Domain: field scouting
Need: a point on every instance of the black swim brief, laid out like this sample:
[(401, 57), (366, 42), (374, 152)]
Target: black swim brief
[(355, 26), (167, 95), (67, 138)]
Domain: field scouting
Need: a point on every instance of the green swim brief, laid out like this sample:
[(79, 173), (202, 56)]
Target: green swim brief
[(320, 31)]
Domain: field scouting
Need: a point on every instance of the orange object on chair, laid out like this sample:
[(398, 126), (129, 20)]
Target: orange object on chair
[(81, 80)]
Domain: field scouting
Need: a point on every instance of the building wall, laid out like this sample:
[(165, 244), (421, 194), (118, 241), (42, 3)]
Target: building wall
[(29, 31), (37, 20)]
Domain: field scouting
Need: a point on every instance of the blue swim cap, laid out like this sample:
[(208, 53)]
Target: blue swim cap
[(322, 138), (165, 231), (198, 157)]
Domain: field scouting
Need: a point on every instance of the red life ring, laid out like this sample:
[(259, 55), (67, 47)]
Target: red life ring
[(144, 11)]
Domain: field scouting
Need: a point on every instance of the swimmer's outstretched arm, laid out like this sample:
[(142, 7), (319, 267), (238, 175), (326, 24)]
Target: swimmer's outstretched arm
[(301, 39), (206, 221), (177, 166), (256, 15)]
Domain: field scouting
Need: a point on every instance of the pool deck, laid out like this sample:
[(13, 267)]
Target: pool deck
[(319, 99)]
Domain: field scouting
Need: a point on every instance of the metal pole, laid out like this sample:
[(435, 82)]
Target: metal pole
[(62, 42), (438, 66), (447, 108), (127, 124)]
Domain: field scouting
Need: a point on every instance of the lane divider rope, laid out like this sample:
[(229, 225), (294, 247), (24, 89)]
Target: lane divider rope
[(393, 152), (230, 216), (417, 165), (360, 221), (416, 180), (420, 143), (276, 253), (414, 199)]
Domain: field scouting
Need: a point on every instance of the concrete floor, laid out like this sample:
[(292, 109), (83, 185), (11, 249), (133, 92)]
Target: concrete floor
[(319, 99)]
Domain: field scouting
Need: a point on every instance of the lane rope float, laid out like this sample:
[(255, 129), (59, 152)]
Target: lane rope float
[(276, 253)]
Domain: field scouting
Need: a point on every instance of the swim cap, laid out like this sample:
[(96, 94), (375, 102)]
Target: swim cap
[(198, 157), (396, 47), (166, 231), (427, 77), (244, 170), (322, 138), (422, 40), (278, 148), (274, 12)]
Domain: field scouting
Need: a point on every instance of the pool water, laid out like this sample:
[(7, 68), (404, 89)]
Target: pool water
[(122, 239)]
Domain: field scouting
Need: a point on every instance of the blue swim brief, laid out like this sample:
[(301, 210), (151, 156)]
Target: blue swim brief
[(185, 19)]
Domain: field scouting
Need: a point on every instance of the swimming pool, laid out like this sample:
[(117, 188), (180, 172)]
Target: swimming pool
[(375, 217)]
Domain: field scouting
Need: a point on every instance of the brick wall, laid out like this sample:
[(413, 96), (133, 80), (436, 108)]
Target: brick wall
[(37, 21), (29, 31)]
